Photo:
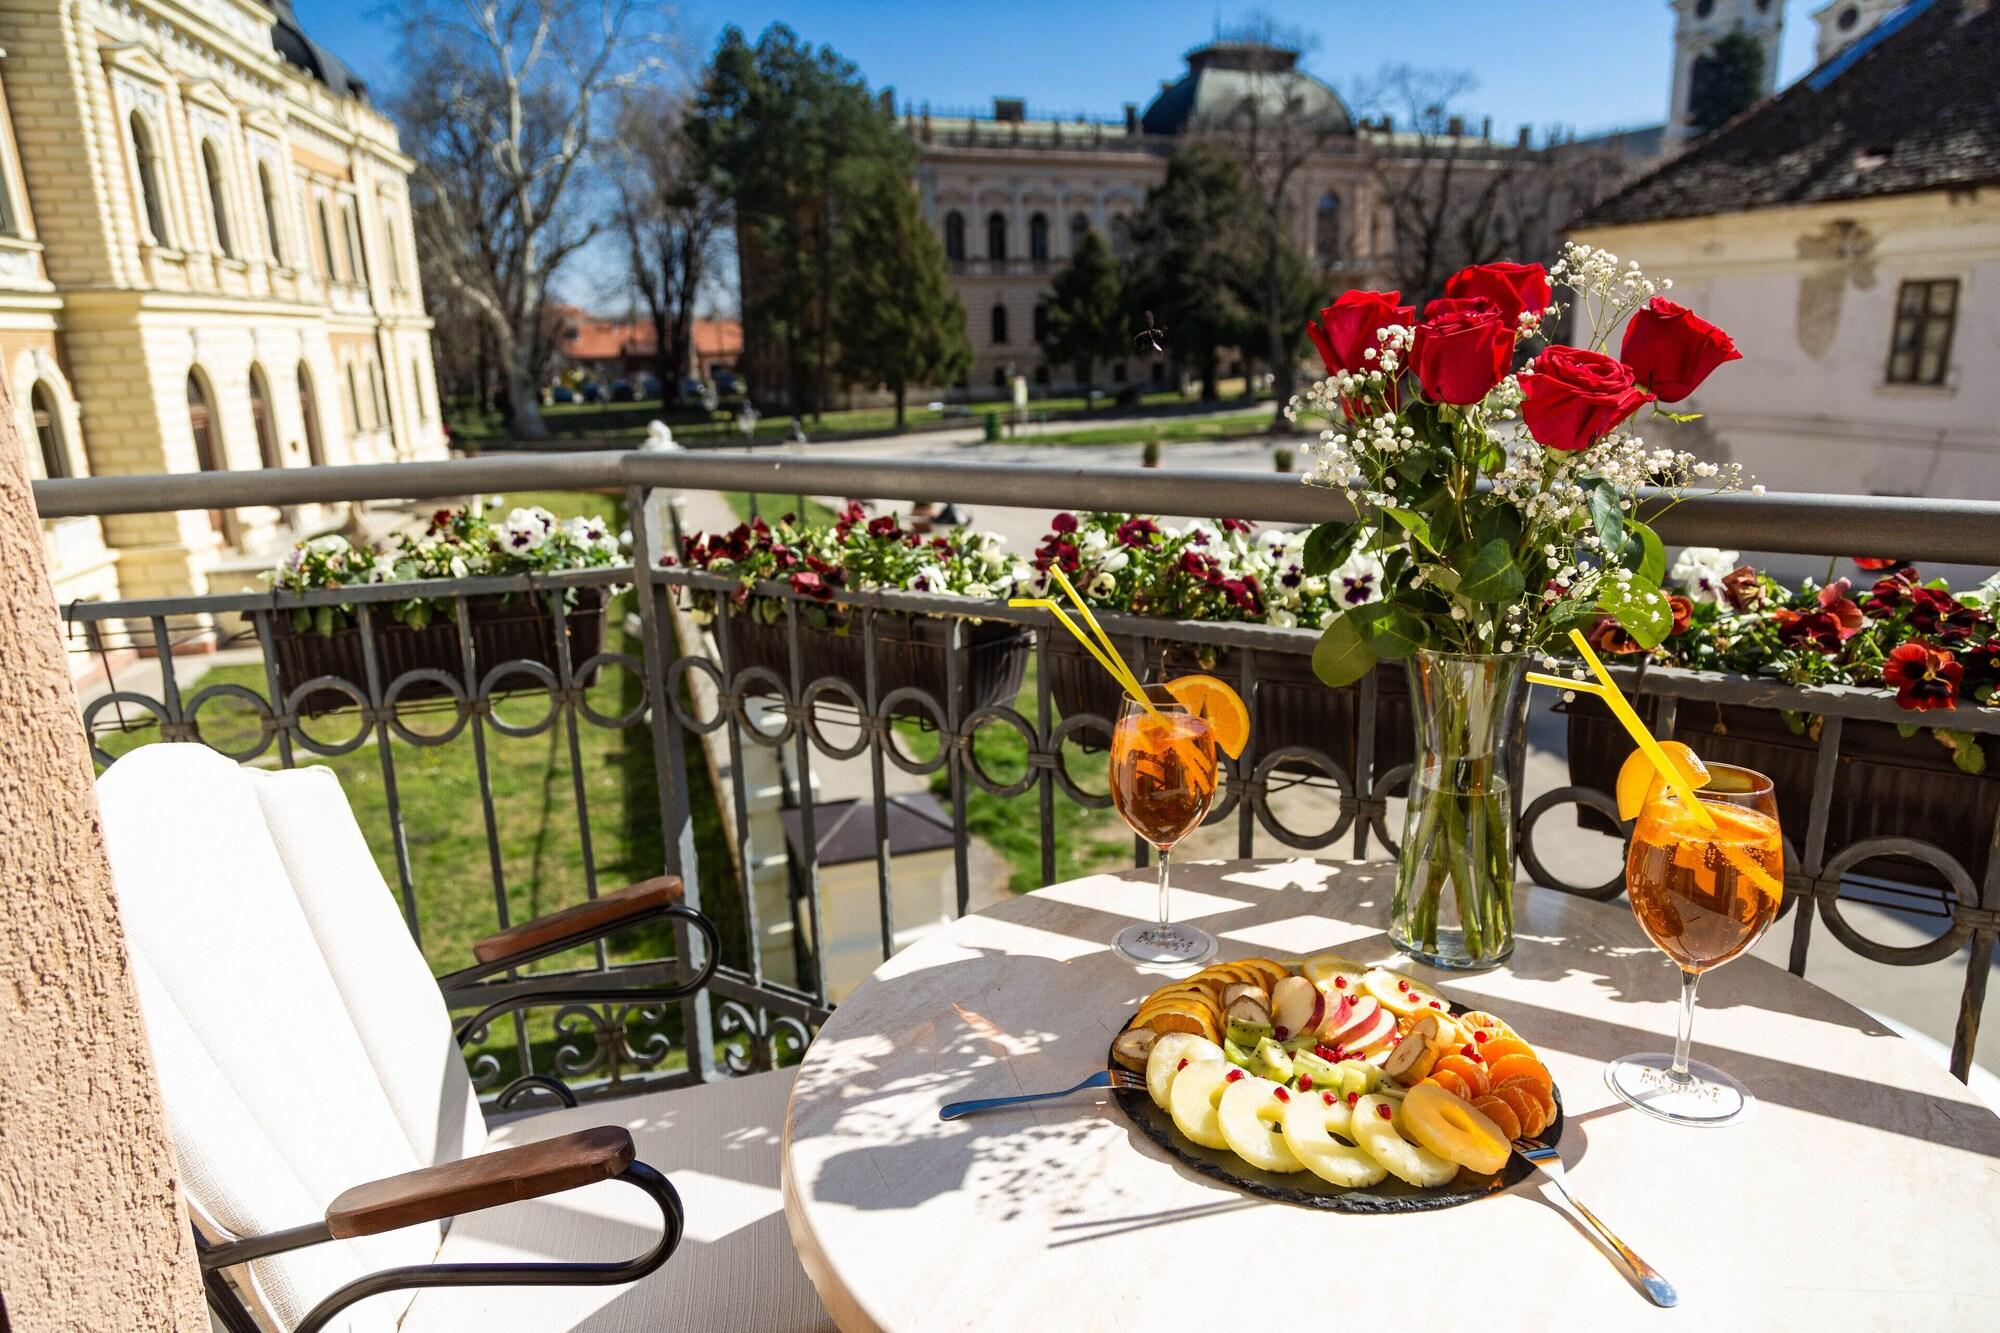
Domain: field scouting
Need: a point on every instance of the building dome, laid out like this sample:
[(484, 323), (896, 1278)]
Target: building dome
[(291, 43), (1223, 73)]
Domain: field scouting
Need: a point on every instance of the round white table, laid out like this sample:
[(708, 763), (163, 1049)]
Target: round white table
[(1861, 1191)]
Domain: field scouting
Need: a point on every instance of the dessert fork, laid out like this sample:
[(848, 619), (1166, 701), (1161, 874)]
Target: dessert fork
[(1103, 1078), (1658, 1290)]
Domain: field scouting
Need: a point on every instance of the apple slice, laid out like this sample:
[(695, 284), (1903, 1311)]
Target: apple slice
[(1350, 1015), (1296, 1006), (1374, 1042)]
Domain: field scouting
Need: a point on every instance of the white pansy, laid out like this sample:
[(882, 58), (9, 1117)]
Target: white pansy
[(526, 529), (1701, 569), (1102, 585)]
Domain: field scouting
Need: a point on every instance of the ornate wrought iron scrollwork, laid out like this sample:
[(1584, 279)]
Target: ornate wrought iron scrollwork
[(772, 1039)]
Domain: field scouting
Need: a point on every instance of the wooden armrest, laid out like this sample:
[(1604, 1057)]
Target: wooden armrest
[(487, 1181), (593, 917)]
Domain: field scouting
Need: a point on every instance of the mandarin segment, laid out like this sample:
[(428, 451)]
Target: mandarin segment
[(1524, 1106), (1520, 1066), (1497, 1110), (1450, 1082), (1470, 1072)]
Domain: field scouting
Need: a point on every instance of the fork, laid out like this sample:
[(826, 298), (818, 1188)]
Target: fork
[(1658, 1290), (1103, 1078)]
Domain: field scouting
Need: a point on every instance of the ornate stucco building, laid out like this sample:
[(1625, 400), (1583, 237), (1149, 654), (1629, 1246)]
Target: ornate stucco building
[(206, 263)]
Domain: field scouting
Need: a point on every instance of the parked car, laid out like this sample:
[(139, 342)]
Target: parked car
[(652, 386), (621, 391), (593, 392), (561, 394), (697, 392), (727, 385)]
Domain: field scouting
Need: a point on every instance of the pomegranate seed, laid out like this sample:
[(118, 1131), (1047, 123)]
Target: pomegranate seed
[(1353, 1097), (1281, 1094), (1339, 1054), (1437, 1004), (1340, 983), (1305, 1082), (1467, 1051), (1382, 1109), (1326, 1097), (1182, 1065), (1402, 985), (1232, 1076), (1281, 1032), (1327, 1053), (1482, 1036)]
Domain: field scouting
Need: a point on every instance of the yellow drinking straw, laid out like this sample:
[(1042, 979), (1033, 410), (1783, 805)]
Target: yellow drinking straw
[(1607, 690), (1107, 656)]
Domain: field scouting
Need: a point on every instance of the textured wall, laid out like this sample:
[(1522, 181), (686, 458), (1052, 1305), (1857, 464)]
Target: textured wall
[(92, 1231)]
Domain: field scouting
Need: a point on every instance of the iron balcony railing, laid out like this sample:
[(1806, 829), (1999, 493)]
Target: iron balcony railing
[(760, 1009)]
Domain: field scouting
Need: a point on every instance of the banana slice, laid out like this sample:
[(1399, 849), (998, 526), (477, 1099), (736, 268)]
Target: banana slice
[(1314, 1130), (1250, 1112), (1380, 1136), (1400, 995), (1171, 1052), (1192, 1100)]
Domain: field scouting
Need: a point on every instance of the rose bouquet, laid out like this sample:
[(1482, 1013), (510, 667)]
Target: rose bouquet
[(1503, 484), (456, 544)]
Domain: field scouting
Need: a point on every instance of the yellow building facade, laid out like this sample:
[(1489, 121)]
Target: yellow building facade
[(206, 264)]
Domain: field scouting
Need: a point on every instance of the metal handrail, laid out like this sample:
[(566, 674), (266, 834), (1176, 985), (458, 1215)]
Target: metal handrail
[(1959, 531)]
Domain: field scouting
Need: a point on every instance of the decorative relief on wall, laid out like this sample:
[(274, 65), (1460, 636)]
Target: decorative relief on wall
[(1841, 252)]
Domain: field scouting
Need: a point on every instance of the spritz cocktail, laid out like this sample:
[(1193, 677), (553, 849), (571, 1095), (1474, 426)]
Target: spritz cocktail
[(1163, 771)]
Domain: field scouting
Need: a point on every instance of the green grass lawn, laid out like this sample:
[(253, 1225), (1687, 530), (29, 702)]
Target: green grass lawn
[(772, 507), (1232, 427)]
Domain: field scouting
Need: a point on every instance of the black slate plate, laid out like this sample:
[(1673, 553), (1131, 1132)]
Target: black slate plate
[(1308, 1190)]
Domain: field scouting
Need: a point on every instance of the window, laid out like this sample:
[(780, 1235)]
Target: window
[(1121, 236), (1042, 374), (146, 155), (378, 400), (10, 219), (309, 411), (1117, 372), (999, 324), (272, 234), (357, 258), (954, 236), (325, 241), (218, 211), (1926, 312), (1848, 18), (1079, 227), (996, 236), (48, 431), (393, 248), (1041, 323), (1703, 8), (207, 447), (353, 401), (417, 395), (1038, 237), (1326, 229), (260, 419)]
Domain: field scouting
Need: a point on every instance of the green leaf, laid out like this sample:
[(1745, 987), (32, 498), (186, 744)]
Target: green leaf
[(1416, 525), (323, 619), (1487, 573), (1440, 576), (1414, 465), (1607, 518), (1327, 546), (1638, 606), (1392, 632), (1659, 411), (1907, 729), (1343, 655), (1653, 556), (1570, 611), (1497, 522), (1965, 750)]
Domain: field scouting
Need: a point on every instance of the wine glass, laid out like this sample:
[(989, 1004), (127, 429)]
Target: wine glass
[(1162, 783), (1704, 896)]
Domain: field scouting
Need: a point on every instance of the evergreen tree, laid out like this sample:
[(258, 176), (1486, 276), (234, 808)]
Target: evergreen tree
[(1085, 317), (1193, 261), (1728, 79), (895, 318)]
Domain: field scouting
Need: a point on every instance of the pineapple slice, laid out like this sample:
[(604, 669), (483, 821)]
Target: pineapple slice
[(1376, 1132), (1249, 1115)]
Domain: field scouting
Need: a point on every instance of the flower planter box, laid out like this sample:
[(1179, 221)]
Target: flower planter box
[(1292, 705), (505, 627), (1886, 784), (910, 653)]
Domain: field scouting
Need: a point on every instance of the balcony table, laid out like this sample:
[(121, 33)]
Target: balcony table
[(1862, 1189)]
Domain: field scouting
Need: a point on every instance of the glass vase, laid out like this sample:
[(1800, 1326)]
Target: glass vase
[(1454, 903)]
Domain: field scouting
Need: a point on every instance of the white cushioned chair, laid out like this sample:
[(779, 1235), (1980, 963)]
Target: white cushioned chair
[(325, 1127)]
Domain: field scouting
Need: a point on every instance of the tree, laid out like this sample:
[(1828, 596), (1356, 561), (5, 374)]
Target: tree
[(1727, 79), (670, 218), (1283, 119), (1085, 320), (1186, 259), (499, 110), (896, 319), (790, 135)]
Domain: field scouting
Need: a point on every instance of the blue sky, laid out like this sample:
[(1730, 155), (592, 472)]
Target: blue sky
[(1590, 64)]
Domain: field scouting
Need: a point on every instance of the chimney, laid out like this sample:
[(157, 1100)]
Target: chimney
[(1131, 117), (1011, 110), (1486, 127), (1455, 126), (1527, 133)]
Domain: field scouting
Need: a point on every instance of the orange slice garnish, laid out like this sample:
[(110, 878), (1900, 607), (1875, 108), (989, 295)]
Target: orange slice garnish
[(1638, 778), (1228, 716)]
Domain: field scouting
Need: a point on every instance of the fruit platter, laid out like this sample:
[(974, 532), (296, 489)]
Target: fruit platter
[(1334, 1084)]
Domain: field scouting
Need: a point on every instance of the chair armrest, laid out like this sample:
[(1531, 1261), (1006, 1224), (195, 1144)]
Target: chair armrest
[(587, 919), (486, 1181)]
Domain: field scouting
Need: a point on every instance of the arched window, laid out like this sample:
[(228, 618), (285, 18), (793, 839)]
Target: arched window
[(999, 323), (393, 248), (1041, 322), (1038, 237), (10, 216), (418, 398), (218, 210), (996, 236), (309, 411), (353, 401), (273, 236), (260, 419), (48, 431), (954, 236), (357, 258), (1079, 227), (325, 241), (207, 444), (1326, 229), (146, 155), (1121, 235), (378, 397)]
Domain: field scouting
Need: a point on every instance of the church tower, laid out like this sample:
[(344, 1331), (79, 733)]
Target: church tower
[(1698, 26), (1845, 22)]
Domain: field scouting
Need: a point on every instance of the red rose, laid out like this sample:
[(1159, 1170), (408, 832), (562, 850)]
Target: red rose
[(1672, 350), (1575, 397), (1462, 354), (1346, 330), (1512, 287), (1923, 677), (1461, 305)]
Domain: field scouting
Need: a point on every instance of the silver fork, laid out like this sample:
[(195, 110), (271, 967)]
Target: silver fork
[(1658, 1290), (1103, 1078)]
